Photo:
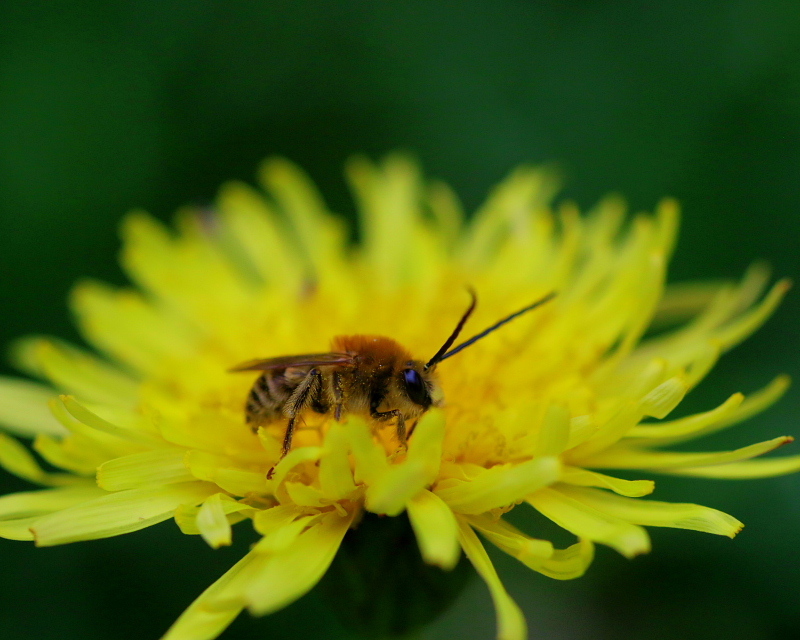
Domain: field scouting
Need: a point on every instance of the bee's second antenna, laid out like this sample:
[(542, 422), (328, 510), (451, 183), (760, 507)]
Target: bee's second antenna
[(497, 325), (440, 354)]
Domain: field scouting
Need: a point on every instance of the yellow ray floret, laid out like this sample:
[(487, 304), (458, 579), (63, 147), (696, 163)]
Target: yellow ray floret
[(151, 426)]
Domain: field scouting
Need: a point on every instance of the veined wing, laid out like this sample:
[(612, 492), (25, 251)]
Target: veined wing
[(305, 360)]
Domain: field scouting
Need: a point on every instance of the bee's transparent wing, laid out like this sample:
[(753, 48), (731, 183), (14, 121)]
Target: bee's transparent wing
[(305, 360)]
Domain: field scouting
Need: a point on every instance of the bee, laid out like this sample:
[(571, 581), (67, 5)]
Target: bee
[(368, 375)]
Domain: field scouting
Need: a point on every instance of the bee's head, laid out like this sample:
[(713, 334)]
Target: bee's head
[(420, 385), (416, 384)]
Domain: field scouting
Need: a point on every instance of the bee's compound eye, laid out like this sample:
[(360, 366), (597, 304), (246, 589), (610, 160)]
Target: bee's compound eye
[(416, 388)]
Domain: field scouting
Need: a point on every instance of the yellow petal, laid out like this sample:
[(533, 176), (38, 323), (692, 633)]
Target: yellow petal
[(158, 467), (668, 215), (684, 300), (20, 511), (257, 231), (28, 503), (16, 459), (148, 249), (212, 521), (210, 430), (305, 495), (86, 443), (736, 331), (267, 520), (621, 457), (186, 515), (281, 538), (290, 574), (65, 455), (426, 445), (756, 402), (586, 478), (587, 522), (742, 470), (522, 193), (625, 417), (641, 286), (166, 266), (201, 622), (527, 550), (389, 203), (436, 529), (555, 431), (499, 486), (79, 373), (510, 621), (24, 411), (657, 514), (117, 513), (223, 471), (390, 492), (664, 398), (581, 429), (335, 475), (539, 555), (86, 417), (569, 563), (17, 529), (370, 457), (292, 459), (131, 329), (701, 362), (685, 344), (689, 427), (320, 235), (734, 410), (447, 211)]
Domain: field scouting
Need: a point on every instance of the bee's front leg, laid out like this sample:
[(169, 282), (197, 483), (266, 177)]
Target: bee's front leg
[(338, 396), (400, 425)]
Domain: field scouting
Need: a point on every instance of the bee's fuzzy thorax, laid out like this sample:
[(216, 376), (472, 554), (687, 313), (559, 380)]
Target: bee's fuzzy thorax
[(380, 349)]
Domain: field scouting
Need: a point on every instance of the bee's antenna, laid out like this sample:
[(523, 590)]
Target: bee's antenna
[(440, 354), (439, 357)]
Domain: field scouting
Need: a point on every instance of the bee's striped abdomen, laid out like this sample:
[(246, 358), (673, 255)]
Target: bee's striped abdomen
[(262, 404)]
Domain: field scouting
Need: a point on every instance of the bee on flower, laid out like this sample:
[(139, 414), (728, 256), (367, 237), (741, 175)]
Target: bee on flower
[(152, 425)]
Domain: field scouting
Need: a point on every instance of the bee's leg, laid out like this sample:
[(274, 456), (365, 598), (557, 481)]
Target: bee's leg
[(338, 396), (411, 429), (287, 444), (294, 405), (318, 400), (400, 425)]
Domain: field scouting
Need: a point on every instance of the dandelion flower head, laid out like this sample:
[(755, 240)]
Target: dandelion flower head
[(150, 425)]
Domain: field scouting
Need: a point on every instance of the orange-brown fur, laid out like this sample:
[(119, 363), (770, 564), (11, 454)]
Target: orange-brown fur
[(378, 358)]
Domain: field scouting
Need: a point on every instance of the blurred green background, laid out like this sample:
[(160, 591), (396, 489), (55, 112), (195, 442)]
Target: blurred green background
[(109, 106)]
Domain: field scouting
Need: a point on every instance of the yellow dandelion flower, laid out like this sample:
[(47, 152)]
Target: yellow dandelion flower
[(154, 426)]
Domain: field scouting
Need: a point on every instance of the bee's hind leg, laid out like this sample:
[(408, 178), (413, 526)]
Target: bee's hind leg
[(287, 445), (300, 397)]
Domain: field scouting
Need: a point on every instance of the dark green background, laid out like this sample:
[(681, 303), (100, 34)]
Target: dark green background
[(109, 106)]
